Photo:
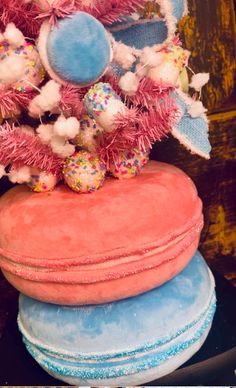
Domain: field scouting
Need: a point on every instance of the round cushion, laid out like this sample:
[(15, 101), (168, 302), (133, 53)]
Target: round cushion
[(128, 342), (126, 238), (77, 50)]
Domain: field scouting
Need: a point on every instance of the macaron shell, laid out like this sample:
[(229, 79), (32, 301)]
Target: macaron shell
[(122, 217), (123, 338), (126, 238)]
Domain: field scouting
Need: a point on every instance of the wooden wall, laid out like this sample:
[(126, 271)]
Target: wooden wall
[(209, 32)]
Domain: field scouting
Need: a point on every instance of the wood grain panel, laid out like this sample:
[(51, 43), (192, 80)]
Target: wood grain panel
[(216, 183), (209, 32)]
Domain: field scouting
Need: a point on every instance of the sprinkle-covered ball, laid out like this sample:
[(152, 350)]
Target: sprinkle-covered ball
[(89, 131), (129, 164), (42, 182), (177, 55), (84, 172), (33, 73), (98, 97)]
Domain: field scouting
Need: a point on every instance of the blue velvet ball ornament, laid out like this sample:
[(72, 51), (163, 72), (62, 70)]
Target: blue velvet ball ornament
[(77, 50), (127, 342)]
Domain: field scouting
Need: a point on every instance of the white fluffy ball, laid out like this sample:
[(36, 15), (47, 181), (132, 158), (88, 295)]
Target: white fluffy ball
[(151, 58), (129, 83), (196, 109), (14, 36), (20, 175), (11, 69), (62, 148), (199, 80), (45, 133), (67, 128)]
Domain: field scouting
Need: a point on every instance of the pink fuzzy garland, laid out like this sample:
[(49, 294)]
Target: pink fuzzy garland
[(71, 102), (110, 11), (21, 13), (105, 11), (138, 129), (20, 148), (149, 91), (58, 9), (11, 101)]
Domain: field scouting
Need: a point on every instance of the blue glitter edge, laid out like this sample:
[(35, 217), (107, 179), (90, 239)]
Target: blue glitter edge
[(142, 349), (153, 361)]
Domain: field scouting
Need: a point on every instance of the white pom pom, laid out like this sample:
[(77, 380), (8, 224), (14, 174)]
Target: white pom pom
[(73, 127), (123, 55), (47, 100), (14, 36), (196, 109), (50, 94), (67, 128), (2, 171), (11, 69), (199, 80), (21, 175), (151, 57), (62, 148), (34, 109), (45, 133), (129, 83)]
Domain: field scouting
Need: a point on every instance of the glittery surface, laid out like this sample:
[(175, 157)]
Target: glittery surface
[(148, 347), (97, 98), (127, 367), (34, 72), (176, 55), (129, 165), (42, 182), (89, 130), (84, 172)]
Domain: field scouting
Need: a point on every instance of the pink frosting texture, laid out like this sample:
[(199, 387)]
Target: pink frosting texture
[(126, 238)]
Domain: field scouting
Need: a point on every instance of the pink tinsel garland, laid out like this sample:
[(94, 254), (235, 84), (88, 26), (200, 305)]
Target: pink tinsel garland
[(110, 11), (58, 9), (138, 129), (11, 101), (71, 102), (149, 91), (18, 147), (21, 13)]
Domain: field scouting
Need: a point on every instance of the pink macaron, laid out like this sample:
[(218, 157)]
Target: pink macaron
[(125, 239)]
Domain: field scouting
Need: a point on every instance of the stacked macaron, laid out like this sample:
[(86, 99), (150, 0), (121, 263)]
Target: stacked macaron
[(123, 241)]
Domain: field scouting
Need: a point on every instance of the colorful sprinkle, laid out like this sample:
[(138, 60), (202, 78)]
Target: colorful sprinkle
[(177, 55), (84, 172), (96, 100), (87, 137), (129, 165), (42, 182), (34, 70)]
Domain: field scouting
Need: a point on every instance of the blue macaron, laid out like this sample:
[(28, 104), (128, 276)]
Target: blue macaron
[(128, 342)]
